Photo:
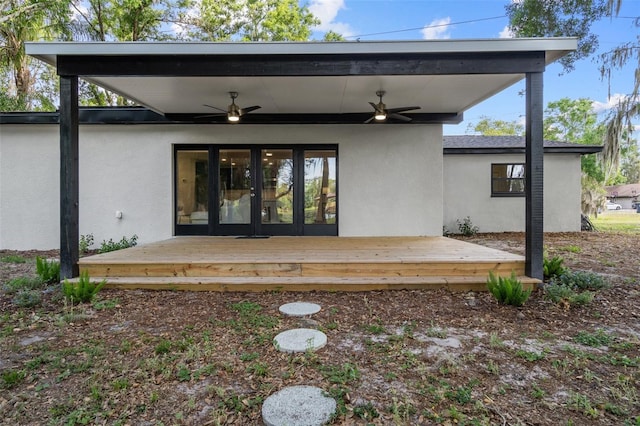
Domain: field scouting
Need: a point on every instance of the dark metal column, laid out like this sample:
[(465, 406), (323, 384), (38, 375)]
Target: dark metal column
[(534, 177), (69, 176)]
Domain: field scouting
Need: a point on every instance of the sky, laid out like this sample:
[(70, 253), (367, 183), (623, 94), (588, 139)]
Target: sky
[(464, 19)]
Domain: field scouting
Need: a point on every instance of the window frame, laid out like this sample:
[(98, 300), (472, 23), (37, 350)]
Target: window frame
[(495, 193)]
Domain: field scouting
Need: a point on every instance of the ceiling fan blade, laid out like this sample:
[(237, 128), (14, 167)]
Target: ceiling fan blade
[(369, 120), (401, 109), (219, 109), (246, 110), (400, 117), (374, 106)]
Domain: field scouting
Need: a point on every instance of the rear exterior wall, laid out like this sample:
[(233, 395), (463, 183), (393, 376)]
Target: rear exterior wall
[(467, 189), (389, 178)]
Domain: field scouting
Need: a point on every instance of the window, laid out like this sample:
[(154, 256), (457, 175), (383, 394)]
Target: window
[(507, 180)]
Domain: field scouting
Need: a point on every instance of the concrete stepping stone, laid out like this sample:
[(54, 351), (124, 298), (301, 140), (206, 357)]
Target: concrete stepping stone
[(298, 406), (300, 340), (299, 309)]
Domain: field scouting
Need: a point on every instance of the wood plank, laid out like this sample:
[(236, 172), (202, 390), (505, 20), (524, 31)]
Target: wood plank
[(301, 283), (304, 264)]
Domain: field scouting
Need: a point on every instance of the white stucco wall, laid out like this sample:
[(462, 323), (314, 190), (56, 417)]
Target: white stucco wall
[(467, 189), (390, 178)]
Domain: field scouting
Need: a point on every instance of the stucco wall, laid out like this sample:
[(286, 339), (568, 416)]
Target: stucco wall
[(390, 178), (467, 188)]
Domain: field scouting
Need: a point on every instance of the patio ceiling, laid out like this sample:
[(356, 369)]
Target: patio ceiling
[(443, 77)]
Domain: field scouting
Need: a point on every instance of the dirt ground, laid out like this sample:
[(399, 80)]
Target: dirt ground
[(399, 357)]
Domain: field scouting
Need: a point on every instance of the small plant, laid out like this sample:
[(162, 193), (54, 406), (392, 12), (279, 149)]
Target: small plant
[(597, 339), (553, 267), (571, 249), (507, 291), (581, 280), (27, 298), (107, 246), (12, 378), (567, 296), (366, 411), (48, 270), (82, 291), (23, 283), (13, 258), (86, 241), (467, 228), (164, 347)]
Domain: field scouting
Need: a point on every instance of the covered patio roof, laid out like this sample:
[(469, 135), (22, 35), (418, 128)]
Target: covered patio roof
[(307, 82)]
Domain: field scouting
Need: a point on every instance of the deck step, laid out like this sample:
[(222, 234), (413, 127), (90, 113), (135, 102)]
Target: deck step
[(351, 269), (302, 283)]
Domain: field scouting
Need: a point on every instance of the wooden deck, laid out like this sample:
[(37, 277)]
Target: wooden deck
[(304, 264)]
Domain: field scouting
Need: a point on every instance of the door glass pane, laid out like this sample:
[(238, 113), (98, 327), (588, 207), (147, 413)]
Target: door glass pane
[(277, 185), (235, 186), (320, 187), (192, 187)]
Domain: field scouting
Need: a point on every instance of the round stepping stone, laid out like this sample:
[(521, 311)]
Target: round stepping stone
[(299, 309), (298, 406), (300, 340)]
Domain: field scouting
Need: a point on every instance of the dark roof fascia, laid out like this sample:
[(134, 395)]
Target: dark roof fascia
[(88, 115), (579, 149), (140, 115)]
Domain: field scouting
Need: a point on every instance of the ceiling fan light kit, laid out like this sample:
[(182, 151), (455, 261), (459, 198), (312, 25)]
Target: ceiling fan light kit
[(380, 111), (233, 111)]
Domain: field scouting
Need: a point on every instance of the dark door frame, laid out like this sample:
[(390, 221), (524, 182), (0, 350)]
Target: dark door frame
[(255, 227)]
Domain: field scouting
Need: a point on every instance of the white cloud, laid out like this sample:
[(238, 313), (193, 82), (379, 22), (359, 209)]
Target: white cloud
[(506, 33), (327, 11), (612, 102), (438, 28)]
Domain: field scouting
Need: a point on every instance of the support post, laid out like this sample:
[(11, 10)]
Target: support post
[(534, 176), (69, 177)]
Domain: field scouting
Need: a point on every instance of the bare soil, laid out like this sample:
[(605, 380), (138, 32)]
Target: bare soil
[(400, 357)]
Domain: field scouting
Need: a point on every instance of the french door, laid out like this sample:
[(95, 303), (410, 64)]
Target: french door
[(256, 190)]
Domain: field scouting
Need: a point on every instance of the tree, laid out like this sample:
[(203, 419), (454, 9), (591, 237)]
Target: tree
[(20, 21), (531, 18), (575, 121), (248, 20), (490, 127)]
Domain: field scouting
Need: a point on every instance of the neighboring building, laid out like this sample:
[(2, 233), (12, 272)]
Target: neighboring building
[(484, 180), (187, 171), (626, 195)]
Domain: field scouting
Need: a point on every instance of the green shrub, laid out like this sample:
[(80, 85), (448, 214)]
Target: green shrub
[(82, 291), (581, 280), (467, 228), (27, 298), (86, 241), (124, 243), (567, 296), (23, 283), (553, 267), (507, 291), (48, 271)]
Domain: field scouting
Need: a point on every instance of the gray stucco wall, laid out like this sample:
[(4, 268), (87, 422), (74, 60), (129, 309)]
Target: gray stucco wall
[(467, 188), (390, 178)]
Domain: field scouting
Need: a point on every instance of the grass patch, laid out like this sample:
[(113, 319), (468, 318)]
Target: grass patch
[(13, 258), (627, 221)]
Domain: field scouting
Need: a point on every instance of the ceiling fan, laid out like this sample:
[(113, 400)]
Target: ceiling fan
[(233, 111), (381, 112)]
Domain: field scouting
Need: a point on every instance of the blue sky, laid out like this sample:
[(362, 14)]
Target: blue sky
[(422, 19)]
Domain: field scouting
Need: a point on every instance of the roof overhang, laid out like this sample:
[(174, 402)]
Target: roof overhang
[(318, 82)]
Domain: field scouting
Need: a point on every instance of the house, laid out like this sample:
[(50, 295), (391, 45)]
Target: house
[(251, 138), (484, 179), (626, 195)]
